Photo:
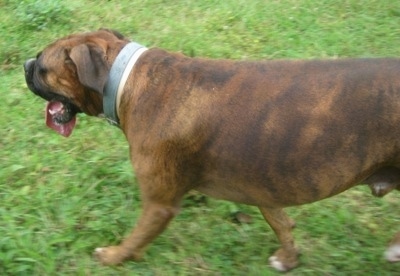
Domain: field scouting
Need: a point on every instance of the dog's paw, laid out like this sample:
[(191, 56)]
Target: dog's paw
[(392, 254), (278, 265), (284, 260), (109, 255)]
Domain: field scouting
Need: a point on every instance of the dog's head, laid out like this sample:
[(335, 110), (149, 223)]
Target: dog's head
[(70, 74)]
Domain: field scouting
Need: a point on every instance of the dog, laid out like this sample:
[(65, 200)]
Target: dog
[(271, 134)]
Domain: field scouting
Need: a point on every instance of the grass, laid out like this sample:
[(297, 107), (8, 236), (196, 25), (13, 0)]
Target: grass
[(61, 198)]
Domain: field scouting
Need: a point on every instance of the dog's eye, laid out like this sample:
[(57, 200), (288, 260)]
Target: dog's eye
[(42, 71)]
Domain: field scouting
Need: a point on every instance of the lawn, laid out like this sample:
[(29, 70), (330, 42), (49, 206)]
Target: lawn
[(61, 198)]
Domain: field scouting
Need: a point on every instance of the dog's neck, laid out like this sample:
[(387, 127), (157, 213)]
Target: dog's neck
[(117, 78)]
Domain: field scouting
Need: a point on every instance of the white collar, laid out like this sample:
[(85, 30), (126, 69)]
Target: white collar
[(117, 78)]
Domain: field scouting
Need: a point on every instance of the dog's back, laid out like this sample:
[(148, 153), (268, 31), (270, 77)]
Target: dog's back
[(261, 132)]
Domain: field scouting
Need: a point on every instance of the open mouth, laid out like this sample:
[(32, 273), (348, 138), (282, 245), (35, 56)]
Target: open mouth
[(60, 113), (60, 117)]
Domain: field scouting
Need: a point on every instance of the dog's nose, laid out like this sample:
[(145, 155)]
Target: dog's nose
[(28, 64)]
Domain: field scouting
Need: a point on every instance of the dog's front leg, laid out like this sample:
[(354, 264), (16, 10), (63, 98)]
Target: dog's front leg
[(285, 258), (153, 221)]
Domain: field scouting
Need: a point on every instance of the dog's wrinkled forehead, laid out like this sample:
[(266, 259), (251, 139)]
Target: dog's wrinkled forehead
[(49, 56), (60, 49)]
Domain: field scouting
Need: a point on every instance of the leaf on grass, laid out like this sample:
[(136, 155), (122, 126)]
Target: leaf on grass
[(28, 260), (17, 167), (25, 190)]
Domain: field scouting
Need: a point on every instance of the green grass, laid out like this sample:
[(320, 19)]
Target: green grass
[(60, 198)]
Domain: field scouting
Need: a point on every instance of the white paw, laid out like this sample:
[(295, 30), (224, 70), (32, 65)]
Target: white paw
[(275, 263), (392, 254), (98, 250)]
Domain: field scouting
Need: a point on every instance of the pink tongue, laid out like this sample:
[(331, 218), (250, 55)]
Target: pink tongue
[(54, 108)]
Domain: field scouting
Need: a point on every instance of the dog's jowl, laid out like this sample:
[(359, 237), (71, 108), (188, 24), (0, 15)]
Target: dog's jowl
[(270, 133)]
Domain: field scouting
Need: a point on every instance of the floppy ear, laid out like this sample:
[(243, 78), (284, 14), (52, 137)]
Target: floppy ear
[(90, 64)]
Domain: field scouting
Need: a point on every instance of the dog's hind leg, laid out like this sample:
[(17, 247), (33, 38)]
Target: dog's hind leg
[(286, 257)]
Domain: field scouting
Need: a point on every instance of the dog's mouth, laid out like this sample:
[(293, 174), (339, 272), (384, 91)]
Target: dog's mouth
[(60, 112), (60, 117)]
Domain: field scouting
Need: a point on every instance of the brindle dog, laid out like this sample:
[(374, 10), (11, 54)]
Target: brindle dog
[(266, 133)]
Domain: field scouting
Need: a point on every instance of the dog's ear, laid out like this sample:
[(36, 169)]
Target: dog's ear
[(90, 65)]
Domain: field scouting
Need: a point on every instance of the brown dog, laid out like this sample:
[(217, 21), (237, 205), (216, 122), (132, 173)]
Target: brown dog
[(271, 134)]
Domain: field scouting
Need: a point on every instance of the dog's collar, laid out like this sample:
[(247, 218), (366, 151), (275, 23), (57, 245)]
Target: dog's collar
[(117, 78)]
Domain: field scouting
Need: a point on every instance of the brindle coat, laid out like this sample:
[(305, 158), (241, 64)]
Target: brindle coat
[(270, 134)]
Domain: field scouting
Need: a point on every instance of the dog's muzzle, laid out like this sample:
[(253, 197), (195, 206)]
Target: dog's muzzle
[(28, 68), (28, 64)]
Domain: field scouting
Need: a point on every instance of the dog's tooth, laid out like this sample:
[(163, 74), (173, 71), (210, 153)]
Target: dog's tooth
[(55, 107)]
